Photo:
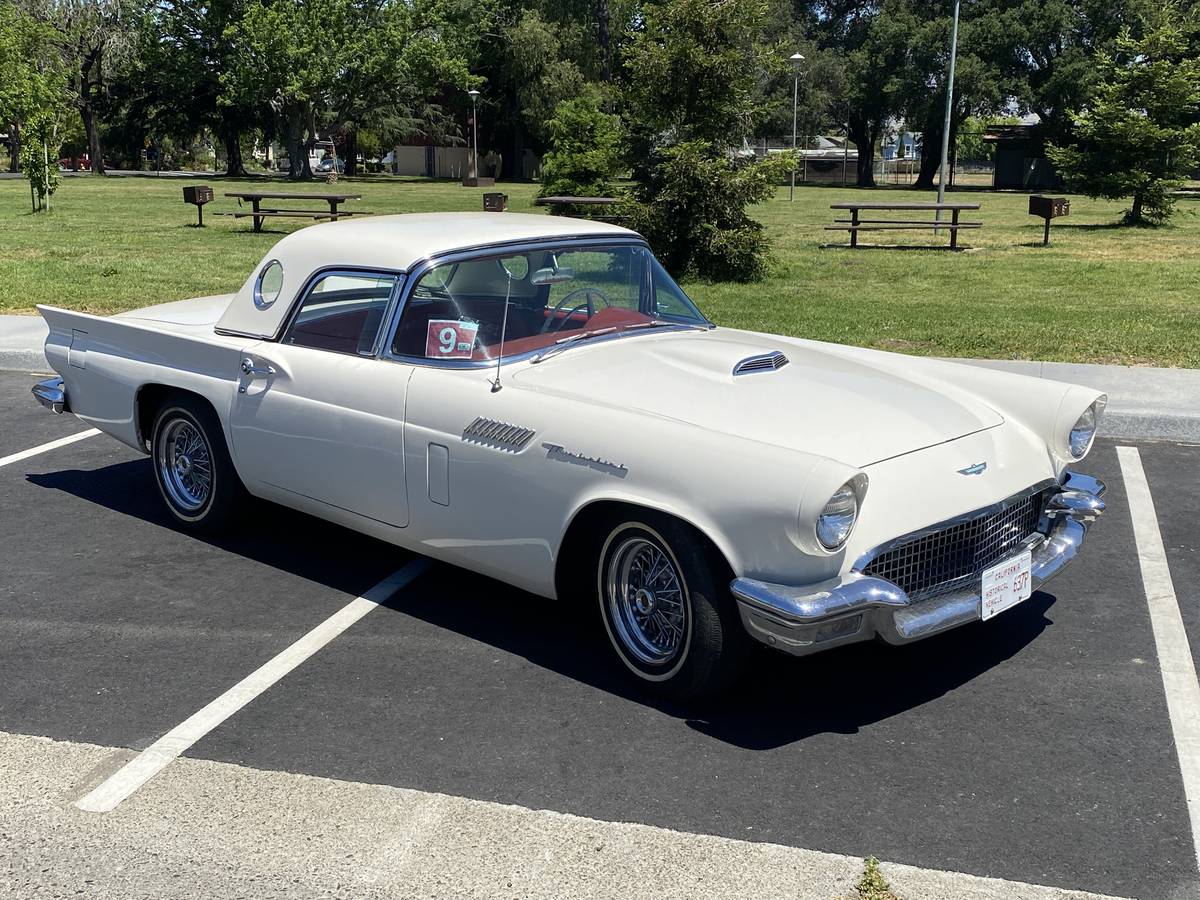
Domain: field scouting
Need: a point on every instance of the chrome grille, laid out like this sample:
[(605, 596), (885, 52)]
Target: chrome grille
[(943, 560)]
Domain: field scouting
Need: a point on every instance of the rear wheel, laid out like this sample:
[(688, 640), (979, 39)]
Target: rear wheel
[(192, 467), (666, 607)]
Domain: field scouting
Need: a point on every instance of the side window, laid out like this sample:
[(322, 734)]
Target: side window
[(342, 312)]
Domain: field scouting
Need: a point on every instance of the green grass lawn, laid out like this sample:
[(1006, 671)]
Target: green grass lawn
[(1099, 293)]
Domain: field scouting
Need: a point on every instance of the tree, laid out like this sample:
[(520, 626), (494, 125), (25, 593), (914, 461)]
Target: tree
[(874, 39), (91, 37), (330, 65), (585, 149), (32, 97), (691, 206), (1139, 136), (694, 72)]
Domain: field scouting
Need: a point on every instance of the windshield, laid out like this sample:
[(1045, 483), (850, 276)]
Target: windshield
[(457, 310)]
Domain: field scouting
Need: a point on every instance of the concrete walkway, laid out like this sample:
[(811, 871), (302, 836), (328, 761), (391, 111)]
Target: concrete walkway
[(210, 829), (1143, 402)]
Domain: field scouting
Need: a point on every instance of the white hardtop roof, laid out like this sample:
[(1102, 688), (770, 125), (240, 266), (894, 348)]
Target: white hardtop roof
[(399, 242), (394, 243)]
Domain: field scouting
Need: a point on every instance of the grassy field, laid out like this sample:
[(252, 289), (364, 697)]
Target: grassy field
[(1099, 293)]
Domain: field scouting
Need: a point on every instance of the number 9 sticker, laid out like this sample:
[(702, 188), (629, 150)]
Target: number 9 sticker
[(450, 339)]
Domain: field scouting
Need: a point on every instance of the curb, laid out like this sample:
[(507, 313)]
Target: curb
[(1143, 403), (21, 342)]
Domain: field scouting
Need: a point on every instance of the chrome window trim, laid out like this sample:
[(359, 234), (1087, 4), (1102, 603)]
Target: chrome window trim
[(497, 250), (257, 296), (869, 556), (354, 272)]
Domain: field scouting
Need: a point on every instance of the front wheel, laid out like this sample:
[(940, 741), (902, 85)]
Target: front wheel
[(666, 608), (195, 475)]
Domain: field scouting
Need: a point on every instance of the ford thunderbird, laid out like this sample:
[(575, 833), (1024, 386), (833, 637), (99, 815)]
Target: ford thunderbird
[(534, 398)]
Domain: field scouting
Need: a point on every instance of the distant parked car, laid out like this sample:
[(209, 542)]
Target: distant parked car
[(327, 165), (82, 163)]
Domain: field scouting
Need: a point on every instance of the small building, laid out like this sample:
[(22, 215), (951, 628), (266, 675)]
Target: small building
[(1020, 161)]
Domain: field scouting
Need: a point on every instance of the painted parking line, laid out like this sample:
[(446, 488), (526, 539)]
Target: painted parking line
[(45, 448), (125, 781), (1170, 639)]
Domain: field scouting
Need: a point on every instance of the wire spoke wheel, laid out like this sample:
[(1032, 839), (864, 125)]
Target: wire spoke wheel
[(185, 465), (646, 601)]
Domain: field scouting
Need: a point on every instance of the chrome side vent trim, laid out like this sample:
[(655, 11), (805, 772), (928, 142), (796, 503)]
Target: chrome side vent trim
[(499, 435), (765, 362)]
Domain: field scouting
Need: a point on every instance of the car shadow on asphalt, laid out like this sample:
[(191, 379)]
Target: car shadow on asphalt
[(272, 535), (778, 701)]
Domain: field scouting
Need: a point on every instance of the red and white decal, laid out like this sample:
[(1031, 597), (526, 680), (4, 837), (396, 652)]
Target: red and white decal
[(450, 339)]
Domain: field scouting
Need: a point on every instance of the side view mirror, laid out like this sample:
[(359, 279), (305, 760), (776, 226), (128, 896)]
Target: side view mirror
[(552, 276)]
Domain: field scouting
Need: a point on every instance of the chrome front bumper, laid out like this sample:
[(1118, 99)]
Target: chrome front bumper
[(52, 394), (856, 607)]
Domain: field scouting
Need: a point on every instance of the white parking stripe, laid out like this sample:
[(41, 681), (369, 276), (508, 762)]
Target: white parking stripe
[(43, 448), (126, 780), (1170, 639)]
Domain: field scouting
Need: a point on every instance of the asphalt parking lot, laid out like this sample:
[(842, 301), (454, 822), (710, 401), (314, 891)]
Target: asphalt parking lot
[(1037, 747)]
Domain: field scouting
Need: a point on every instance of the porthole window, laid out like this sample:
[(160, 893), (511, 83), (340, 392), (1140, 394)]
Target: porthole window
[(270, 283)]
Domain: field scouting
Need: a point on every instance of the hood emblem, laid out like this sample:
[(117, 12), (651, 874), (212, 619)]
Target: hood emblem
[(976, 469)]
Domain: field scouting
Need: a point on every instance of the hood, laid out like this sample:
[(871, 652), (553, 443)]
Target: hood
[(821, 402)]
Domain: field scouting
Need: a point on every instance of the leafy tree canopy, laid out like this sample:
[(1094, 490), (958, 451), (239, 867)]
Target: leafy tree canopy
[(1139, 136)]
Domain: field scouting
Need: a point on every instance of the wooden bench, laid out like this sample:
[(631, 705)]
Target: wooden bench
[(258, 212), (562, 204), (856, 223)]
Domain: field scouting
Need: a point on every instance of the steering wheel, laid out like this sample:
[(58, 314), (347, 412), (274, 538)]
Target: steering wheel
[(554, 323)]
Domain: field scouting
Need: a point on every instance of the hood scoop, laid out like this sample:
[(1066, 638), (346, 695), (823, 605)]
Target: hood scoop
[(763, 362)]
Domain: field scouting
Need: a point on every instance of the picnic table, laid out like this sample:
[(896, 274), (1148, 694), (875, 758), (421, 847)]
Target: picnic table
[(856, 223), (561, 203), (258, 212)]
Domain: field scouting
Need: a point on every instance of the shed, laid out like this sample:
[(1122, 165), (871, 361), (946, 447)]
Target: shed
[(1020, 161)]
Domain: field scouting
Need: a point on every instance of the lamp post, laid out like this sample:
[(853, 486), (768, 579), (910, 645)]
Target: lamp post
[(474, 95), (797, 61), (949, 107)]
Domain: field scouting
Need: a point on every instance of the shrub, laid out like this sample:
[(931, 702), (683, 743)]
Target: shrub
[(585, 149), (691, 206)]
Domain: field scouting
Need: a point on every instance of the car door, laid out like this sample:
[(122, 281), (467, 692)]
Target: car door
[(318, 413)]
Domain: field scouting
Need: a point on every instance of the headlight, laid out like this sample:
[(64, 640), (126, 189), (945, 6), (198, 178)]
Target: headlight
[(837, 518), (1084, 431)]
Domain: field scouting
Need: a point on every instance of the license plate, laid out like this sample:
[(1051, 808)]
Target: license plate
[(1005, 585)]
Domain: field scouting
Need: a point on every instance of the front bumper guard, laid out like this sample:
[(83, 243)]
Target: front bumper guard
[(52, 394), (856, 607)]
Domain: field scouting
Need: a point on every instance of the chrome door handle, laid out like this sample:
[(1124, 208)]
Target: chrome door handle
[(252, 371)]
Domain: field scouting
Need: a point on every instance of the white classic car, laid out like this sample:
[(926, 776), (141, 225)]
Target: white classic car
[(534, 398)]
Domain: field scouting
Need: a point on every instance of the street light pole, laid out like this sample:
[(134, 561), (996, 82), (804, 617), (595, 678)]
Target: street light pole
[(796, 59), (949, 108), (474, 94)]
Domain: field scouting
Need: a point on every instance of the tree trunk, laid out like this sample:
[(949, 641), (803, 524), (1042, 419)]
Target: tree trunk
[(863, 134), (14, 161), (87, 111), (604, 39), (1135, 214), (234, 164), (93, 138), (350, 148)]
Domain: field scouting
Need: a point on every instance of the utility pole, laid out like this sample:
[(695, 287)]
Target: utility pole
[(949, 108), (797, 60)]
